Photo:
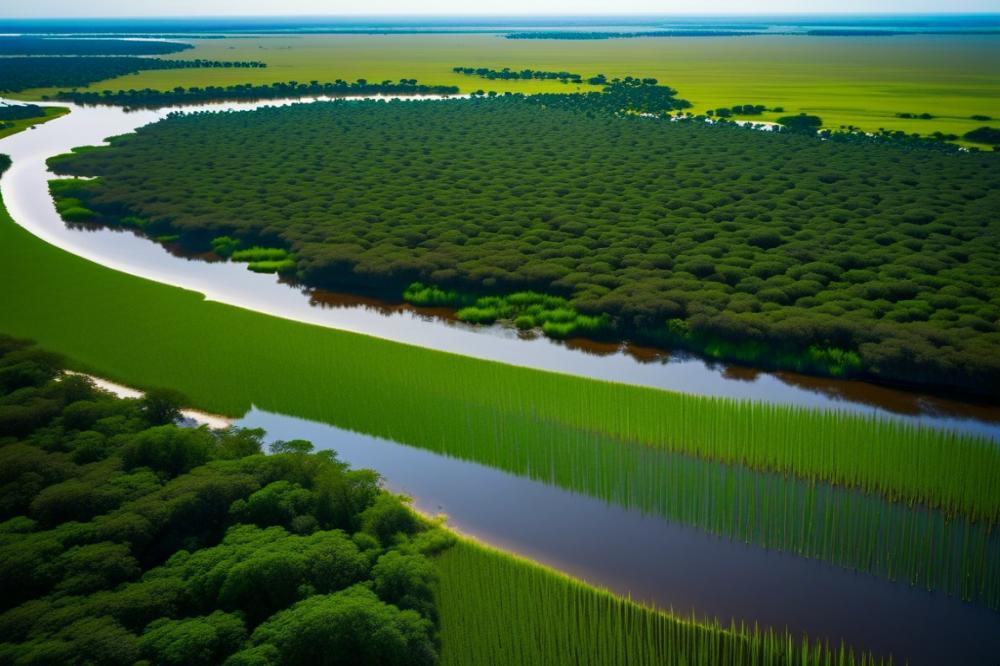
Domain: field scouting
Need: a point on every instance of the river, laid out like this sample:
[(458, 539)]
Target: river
[(629, 552), (25, 193)]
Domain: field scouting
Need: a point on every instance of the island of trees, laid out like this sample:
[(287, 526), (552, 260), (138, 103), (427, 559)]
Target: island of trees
[(851, 255)]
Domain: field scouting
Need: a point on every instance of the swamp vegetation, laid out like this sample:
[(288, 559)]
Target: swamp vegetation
[(850, 256)]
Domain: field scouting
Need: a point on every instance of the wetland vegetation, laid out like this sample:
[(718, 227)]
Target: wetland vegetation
[(836, 257)]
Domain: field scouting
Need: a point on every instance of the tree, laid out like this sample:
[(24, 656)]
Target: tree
[(162, 406), (349, 628)]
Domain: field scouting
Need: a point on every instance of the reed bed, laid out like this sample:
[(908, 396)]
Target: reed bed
[(497, 610), (914, 545)]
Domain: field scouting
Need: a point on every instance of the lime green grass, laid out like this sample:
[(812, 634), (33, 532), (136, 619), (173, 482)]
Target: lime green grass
[(498, 609), (859, 81), (225, 359), (15, 126)]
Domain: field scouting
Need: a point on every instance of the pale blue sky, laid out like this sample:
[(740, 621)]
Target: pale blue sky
[(95, 8)]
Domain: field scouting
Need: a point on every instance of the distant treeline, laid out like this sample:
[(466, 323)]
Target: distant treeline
[(67, 46), (571, 34), (507, 74), (19, 73), (566, 77), (20, 111), (179, 95)]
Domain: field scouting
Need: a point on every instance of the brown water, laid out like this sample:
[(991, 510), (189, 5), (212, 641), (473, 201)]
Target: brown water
[(25, 193), (665, 564)]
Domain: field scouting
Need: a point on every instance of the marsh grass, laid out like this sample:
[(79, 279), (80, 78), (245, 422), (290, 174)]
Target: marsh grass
[(499, 609)]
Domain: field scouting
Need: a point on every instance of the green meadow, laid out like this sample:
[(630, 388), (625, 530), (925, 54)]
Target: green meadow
[(858, 81)]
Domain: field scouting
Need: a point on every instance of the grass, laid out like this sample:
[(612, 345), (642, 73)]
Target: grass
[(225, 359), (8, 127), (860, 81), (499, 609)]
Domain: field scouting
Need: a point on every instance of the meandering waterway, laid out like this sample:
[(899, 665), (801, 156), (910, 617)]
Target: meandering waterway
[(25, 192)]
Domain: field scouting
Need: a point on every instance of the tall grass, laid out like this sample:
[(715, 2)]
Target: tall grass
[(498, 610)]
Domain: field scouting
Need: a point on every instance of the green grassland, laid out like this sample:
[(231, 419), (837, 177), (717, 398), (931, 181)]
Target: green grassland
[(860, 81), (9, 127)]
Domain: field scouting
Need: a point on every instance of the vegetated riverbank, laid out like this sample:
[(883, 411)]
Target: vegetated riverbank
[(113, 515), (9, 127), (830, 269)]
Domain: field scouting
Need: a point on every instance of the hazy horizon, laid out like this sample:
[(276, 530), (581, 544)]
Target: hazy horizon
[(41, 9)]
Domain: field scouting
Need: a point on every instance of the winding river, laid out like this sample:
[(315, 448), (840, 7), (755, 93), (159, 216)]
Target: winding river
[(25, 193), (665, 564)]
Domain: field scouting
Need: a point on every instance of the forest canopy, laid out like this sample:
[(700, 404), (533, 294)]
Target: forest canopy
[(126, 537), (739, 243)]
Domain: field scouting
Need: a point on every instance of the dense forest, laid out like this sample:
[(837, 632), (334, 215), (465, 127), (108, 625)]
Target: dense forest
[(292, 89), (126, 538), (20, 111), (62, 46), (866, 256), (18, 74)]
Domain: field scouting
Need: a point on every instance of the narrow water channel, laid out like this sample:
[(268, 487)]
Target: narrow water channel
[(25, 192), (665, 564)]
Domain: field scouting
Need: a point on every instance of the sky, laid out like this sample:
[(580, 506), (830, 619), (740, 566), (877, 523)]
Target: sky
[(104, 8)]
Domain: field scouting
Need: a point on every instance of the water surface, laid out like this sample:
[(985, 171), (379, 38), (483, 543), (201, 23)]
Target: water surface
[(665, 564)]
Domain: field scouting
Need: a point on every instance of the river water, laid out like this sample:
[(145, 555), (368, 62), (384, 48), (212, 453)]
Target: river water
[(25, 193), (631, 553)]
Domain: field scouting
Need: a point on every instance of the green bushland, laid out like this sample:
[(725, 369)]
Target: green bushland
[(20, 111), (22, 73), (499, 609), (772, 246), (506, 74), (64, 46), (987, 135), (180, 95), (411, 395), (124, 536), (523, 309)]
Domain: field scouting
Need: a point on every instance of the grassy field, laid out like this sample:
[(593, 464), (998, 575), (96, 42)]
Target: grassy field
[(16, 126), (499, 609), (859, 81)]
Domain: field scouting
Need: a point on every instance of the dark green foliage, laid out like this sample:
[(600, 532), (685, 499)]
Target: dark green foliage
[(506, 74), (802, 123), (172, 544), (22, 73), (180, 95), (20, 112), (68, 46), (350, 627), (195, 641), (990, 135), (774, 248)]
